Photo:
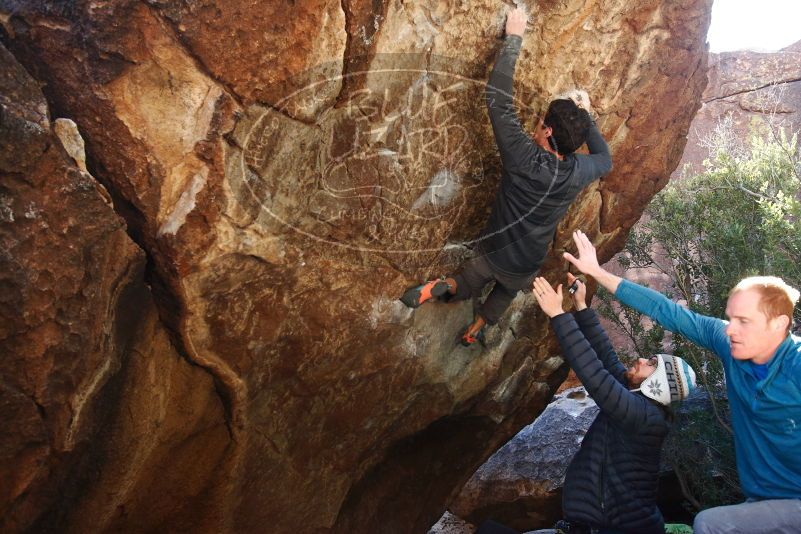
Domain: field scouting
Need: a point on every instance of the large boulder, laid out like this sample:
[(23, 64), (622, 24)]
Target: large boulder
[(288, 168), (520, 485), (96, 406), (747, 91)]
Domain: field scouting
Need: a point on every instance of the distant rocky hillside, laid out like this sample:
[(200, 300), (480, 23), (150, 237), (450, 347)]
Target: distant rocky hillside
[(750, 88)]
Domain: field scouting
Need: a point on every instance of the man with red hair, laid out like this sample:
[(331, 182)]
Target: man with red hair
[(762, 363)]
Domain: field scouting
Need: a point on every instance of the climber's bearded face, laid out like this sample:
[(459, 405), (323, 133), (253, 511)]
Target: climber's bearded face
[(541, 134)]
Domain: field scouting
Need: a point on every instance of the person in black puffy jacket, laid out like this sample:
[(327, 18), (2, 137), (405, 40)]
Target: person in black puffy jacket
[(611, 483)]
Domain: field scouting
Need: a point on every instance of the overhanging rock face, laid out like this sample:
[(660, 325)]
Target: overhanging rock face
[(288, 170), (99, 413)]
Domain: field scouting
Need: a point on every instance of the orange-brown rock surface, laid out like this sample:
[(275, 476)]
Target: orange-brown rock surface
[(284, 170), (97, 408)]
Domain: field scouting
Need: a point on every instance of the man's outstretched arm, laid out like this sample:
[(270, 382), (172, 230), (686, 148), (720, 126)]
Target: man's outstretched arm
[(514, 144), (587, 262), (704, 331)]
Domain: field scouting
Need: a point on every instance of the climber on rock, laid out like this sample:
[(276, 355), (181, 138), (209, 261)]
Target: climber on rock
[(540, 178), (611, 483)]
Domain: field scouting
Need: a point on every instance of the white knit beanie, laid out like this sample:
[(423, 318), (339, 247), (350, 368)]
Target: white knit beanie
[(672, 380)]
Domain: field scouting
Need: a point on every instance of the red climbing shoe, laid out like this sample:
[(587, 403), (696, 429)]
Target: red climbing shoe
[(470, 338), (415, 296)]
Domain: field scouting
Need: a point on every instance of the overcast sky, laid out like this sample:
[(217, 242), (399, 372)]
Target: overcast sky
[(764, 25)]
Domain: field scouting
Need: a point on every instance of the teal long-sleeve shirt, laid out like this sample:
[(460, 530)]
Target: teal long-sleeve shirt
[(766, 413)]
